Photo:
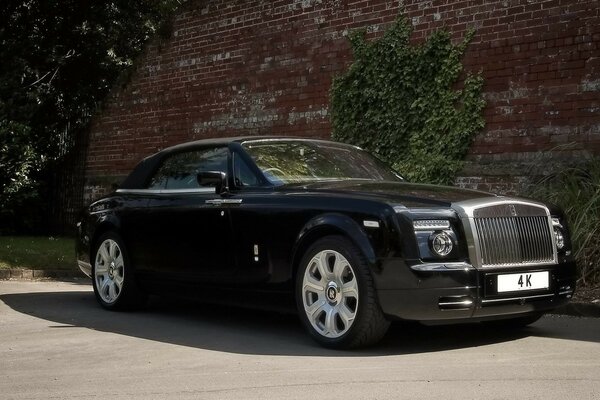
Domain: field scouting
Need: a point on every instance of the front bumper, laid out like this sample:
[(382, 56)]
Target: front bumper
[(462, 293)]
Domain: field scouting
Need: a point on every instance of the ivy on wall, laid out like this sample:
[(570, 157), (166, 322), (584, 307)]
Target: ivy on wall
[(409, 104)]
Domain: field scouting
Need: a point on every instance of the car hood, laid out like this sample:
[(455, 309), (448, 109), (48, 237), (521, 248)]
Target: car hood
[(407, 194)]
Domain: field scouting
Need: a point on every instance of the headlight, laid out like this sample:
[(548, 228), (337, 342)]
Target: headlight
[(559, 237), (436, 238), (441, 243)]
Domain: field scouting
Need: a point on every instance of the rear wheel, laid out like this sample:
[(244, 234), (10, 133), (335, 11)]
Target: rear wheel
[(113, 278), (336, 297)]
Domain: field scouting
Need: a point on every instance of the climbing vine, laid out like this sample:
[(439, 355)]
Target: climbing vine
[(409, 104)]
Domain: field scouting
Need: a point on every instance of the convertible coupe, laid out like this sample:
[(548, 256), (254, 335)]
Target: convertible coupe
[(328, 227)]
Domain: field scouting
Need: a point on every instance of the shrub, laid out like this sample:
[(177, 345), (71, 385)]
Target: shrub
[(18, 161), (20, 203), (401, 102), (577, 191)]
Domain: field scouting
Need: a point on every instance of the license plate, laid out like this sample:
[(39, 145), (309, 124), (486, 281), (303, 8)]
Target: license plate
[(523, 281)]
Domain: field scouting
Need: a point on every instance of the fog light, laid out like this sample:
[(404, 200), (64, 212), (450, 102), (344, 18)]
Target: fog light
[(560, 239), (441, 243)]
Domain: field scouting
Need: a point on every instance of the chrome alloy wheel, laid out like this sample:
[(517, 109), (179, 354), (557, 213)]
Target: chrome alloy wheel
[(109, 271), (330, 293)]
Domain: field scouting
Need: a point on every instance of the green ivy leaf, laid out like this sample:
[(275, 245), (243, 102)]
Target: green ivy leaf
[(400, 101)]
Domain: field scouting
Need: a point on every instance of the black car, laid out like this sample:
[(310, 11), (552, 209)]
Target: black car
[(329, 226)]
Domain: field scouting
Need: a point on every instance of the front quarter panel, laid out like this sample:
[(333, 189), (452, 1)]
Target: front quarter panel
[(286, 224), (334, 222)]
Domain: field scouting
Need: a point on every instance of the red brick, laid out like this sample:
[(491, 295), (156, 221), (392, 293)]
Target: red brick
[(535, 59)]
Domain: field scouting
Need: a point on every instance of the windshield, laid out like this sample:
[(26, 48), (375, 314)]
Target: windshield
[(293, 161)]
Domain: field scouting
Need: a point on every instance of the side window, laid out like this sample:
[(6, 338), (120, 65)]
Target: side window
[(179, 171), (242, 174)]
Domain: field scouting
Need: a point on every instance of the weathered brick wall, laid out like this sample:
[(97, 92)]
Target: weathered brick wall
[(265, 67)]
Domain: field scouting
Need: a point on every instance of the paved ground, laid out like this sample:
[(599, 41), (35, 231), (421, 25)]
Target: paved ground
[(55, 342)]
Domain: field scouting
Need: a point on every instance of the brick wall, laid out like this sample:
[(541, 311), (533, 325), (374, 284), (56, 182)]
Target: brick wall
[(265, 67)]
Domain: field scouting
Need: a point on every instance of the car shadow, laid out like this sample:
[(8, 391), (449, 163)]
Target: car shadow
[(245, 331)]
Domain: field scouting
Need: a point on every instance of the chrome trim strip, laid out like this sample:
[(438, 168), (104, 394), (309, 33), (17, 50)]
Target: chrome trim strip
[(370, 224), (85, 267), (448, 266), (400, 208), (99, 211), (457, 303), (218, 202), (517, 298), (166, 191), (468, 207), (430, 224), (290, 139)]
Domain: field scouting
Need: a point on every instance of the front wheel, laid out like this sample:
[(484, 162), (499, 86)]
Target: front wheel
[(336, 297), (112, 275)]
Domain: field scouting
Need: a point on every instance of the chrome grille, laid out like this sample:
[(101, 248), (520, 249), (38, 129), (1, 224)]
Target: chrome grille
[(514, 240)]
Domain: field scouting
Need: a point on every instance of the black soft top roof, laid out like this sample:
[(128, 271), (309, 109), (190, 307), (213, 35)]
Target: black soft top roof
[(138, 178)]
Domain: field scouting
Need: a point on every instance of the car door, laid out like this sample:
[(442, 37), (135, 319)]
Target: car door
[(260, 224), (190, 233)]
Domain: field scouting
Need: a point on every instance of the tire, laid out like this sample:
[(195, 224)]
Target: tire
[(336, 297), (113, 277)]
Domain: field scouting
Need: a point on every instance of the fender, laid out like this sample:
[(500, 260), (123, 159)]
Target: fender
[(105, 221), (331, 223), (90, 226)]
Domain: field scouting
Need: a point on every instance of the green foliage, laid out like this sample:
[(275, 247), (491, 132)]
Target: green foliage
[(18, 161), (20, 201), (400, 101), (59, 60), (577, 191)]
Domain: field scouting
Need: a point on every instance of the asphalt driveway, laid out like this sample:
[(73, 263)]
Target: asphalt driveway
[(55, 342)]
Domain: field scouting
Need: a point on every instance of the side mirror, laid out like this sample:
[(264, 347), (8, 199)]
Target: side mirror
[(217, 179)]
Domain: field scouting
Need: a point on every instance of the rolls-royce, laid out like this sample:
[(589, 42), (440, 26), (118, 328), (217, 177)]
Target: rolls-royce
[(327, 228)]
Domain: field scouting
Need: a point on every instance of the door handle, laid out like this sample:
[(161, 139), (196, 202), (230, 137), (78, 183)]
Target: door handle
[(219, 202)]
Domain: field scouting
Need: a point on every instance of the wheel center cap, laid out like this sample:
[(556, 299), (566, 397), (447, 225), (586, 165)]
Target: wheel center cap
[(111, 269), (332, 292)]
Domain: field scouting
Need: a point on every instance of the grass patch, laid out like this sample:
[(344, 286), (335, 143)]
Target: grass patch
[(37, 252)]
